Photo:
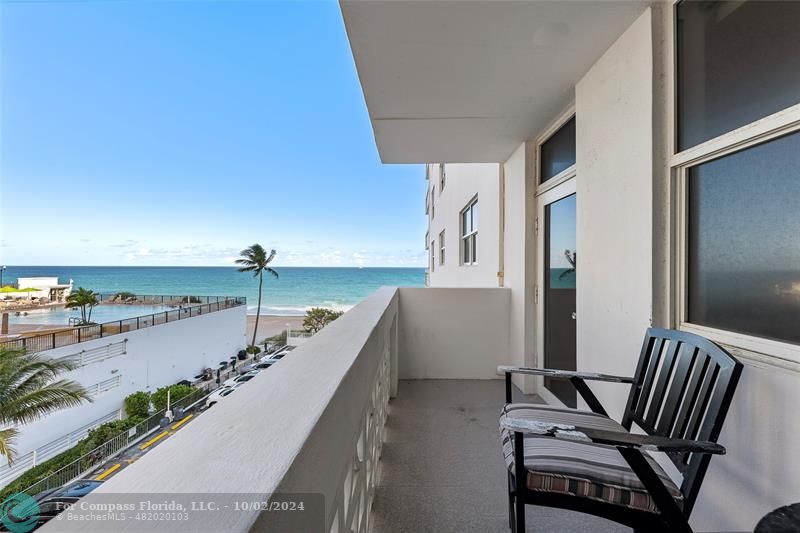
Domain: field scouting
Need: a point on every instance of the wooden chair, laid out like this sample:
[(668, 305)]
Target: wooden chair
[(585, 461)]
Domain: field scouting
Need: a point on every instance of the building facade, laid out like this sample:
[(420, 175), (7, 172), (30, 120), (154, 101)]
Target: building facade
[(464, 237), (648, 182)]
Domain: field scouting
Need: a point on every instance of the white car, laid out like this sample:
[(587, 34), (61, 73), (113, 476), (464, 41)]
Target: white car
[(263, 364), (271, 359), (244, 378), (220, 393)]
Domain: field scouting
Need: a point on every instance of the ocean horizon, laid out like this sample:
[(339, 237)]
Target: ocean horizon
[(295, 291)]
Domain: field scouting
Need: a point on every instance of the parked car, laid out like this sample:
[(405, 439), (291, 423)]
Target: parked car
[(244, 378), (274, 358), (52, 502), (263, 364), (220, 393)]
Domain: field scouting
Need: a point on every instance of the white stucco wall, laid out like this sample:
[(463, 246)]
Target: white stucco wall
[(519, 260), (613, 104), (455, 333), (616, 289), (462, 183), (156, 356)]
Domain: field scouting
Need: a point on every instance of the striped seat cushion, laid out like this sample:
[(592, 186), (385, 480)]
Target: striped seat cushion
[(582, 469)]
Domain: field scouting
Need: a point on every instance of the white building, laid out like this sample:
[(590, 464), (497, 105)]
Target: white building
[(674, 190), (114, 365), (458, 195), (46, 287)]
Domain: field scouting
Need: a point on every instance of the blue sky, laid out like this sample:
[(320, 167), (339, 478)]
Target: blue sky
[(177, 133)]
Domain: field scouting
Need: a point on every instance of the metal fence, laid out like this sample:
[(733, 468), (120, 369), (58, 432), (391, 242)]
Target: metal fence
[(80, 466), (75, 335), (24, 462)]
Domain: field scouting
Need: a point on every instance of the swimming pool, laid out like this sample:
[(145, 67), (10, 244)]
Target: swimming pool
[(59, 316)]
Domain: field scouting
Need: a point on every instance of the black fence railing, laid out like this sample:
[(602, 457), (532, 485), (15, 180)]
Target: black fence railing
[(185, 309)]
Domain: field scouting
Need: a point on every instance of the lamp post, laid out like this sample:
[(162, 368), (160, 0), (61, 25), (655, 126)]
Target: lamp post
[(2, 269)]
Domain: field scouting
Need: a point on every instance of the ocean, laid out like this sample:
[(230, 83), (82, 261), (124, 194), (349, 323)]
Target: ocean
[(296, 290)]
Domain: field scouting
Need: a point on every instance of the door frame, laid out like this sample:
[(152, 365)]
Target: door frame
[(565, 188)]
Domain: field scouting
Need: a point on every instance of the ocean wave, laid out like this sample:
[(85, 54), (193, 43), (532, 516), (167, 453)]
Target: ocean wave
[(279, 310)]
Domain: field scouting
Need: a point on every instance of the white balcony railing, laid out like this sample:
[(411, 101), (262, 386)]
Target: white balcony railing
[(314, 422)]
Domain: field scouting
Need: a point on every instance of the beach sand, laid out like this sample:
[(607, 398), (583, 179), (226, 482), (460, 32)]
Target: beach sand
[(269, 325)]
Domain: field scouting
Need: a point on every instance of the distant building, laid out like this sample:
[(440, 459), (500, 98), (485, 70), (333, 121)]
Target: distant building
[(47, 287)]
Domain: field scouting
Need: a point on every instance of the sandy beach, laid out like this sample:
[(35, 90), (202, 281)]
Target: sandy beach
[(269, 325)]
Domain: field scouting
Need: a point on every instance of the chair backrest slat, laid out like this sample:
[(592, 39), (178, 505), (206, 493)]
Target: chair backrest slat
[(660, 389), (692, 391), (676, 391), (703, 400), (651, 356), (683, 387)]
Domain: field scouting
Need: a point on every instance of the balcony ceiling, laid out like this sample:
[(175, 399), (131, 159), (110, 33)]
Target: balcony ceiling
[(453, 81)]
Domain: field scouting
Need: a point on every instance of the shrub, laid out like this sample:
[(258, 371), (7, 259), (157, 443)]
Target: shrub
[(124, 295), (278, 340), (42, 470), (253, 350), (319, 317), (96, 437), (109, 430), (190, 300), (138, 404), (159, 397)]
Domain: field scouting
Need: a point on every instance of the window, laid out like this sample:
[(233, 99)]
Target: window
[(441, 248), (743, 222), (737, 63), (557, 153), (427, 234), (469, 233), (441, 177), (433, 258), (738, 259), (433, 201)]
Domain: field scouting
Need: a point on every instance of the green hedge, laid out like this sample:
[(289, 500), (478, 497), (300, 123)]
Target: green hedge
[(137, 404), (159, 397), (97, 436), (109, 430), (41, 471)]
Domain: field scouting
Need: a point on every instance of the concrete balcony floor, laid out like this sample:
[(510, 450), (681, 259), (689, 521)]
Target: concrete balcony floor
[(443, 468)]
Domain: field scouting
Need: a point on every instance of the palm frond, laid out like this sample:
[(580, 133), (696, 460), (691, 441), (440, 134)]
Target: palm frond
[(7, 436), (60, 394), (271, 271)]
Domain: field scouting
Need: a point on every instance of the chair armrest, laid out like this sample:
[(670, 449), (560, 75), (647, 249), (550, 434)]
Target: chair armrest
[(563, 374), (617, 439)]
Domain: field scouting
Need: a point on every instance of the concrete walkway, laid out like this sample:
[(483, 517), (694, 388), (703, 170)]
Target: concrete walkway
[(443, 468)]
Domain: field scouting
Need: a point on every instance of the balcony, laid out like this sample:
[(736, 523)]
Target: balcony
[(441, 467), (322, 421)]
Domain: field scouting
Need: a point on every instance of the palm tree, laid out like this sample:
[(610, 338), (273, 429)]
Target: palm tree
[(255, 259), (83, 298), (30, 389)]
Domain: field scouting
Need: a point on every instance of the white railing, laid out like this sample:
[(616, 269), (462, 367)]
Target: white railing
[(9, 473), (314, 422), (104, 386), (297, 338), (98, 354)]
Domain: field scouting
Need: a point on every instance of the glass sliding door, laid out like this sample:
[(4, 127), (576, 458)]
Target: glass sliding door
[(560, 262)]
